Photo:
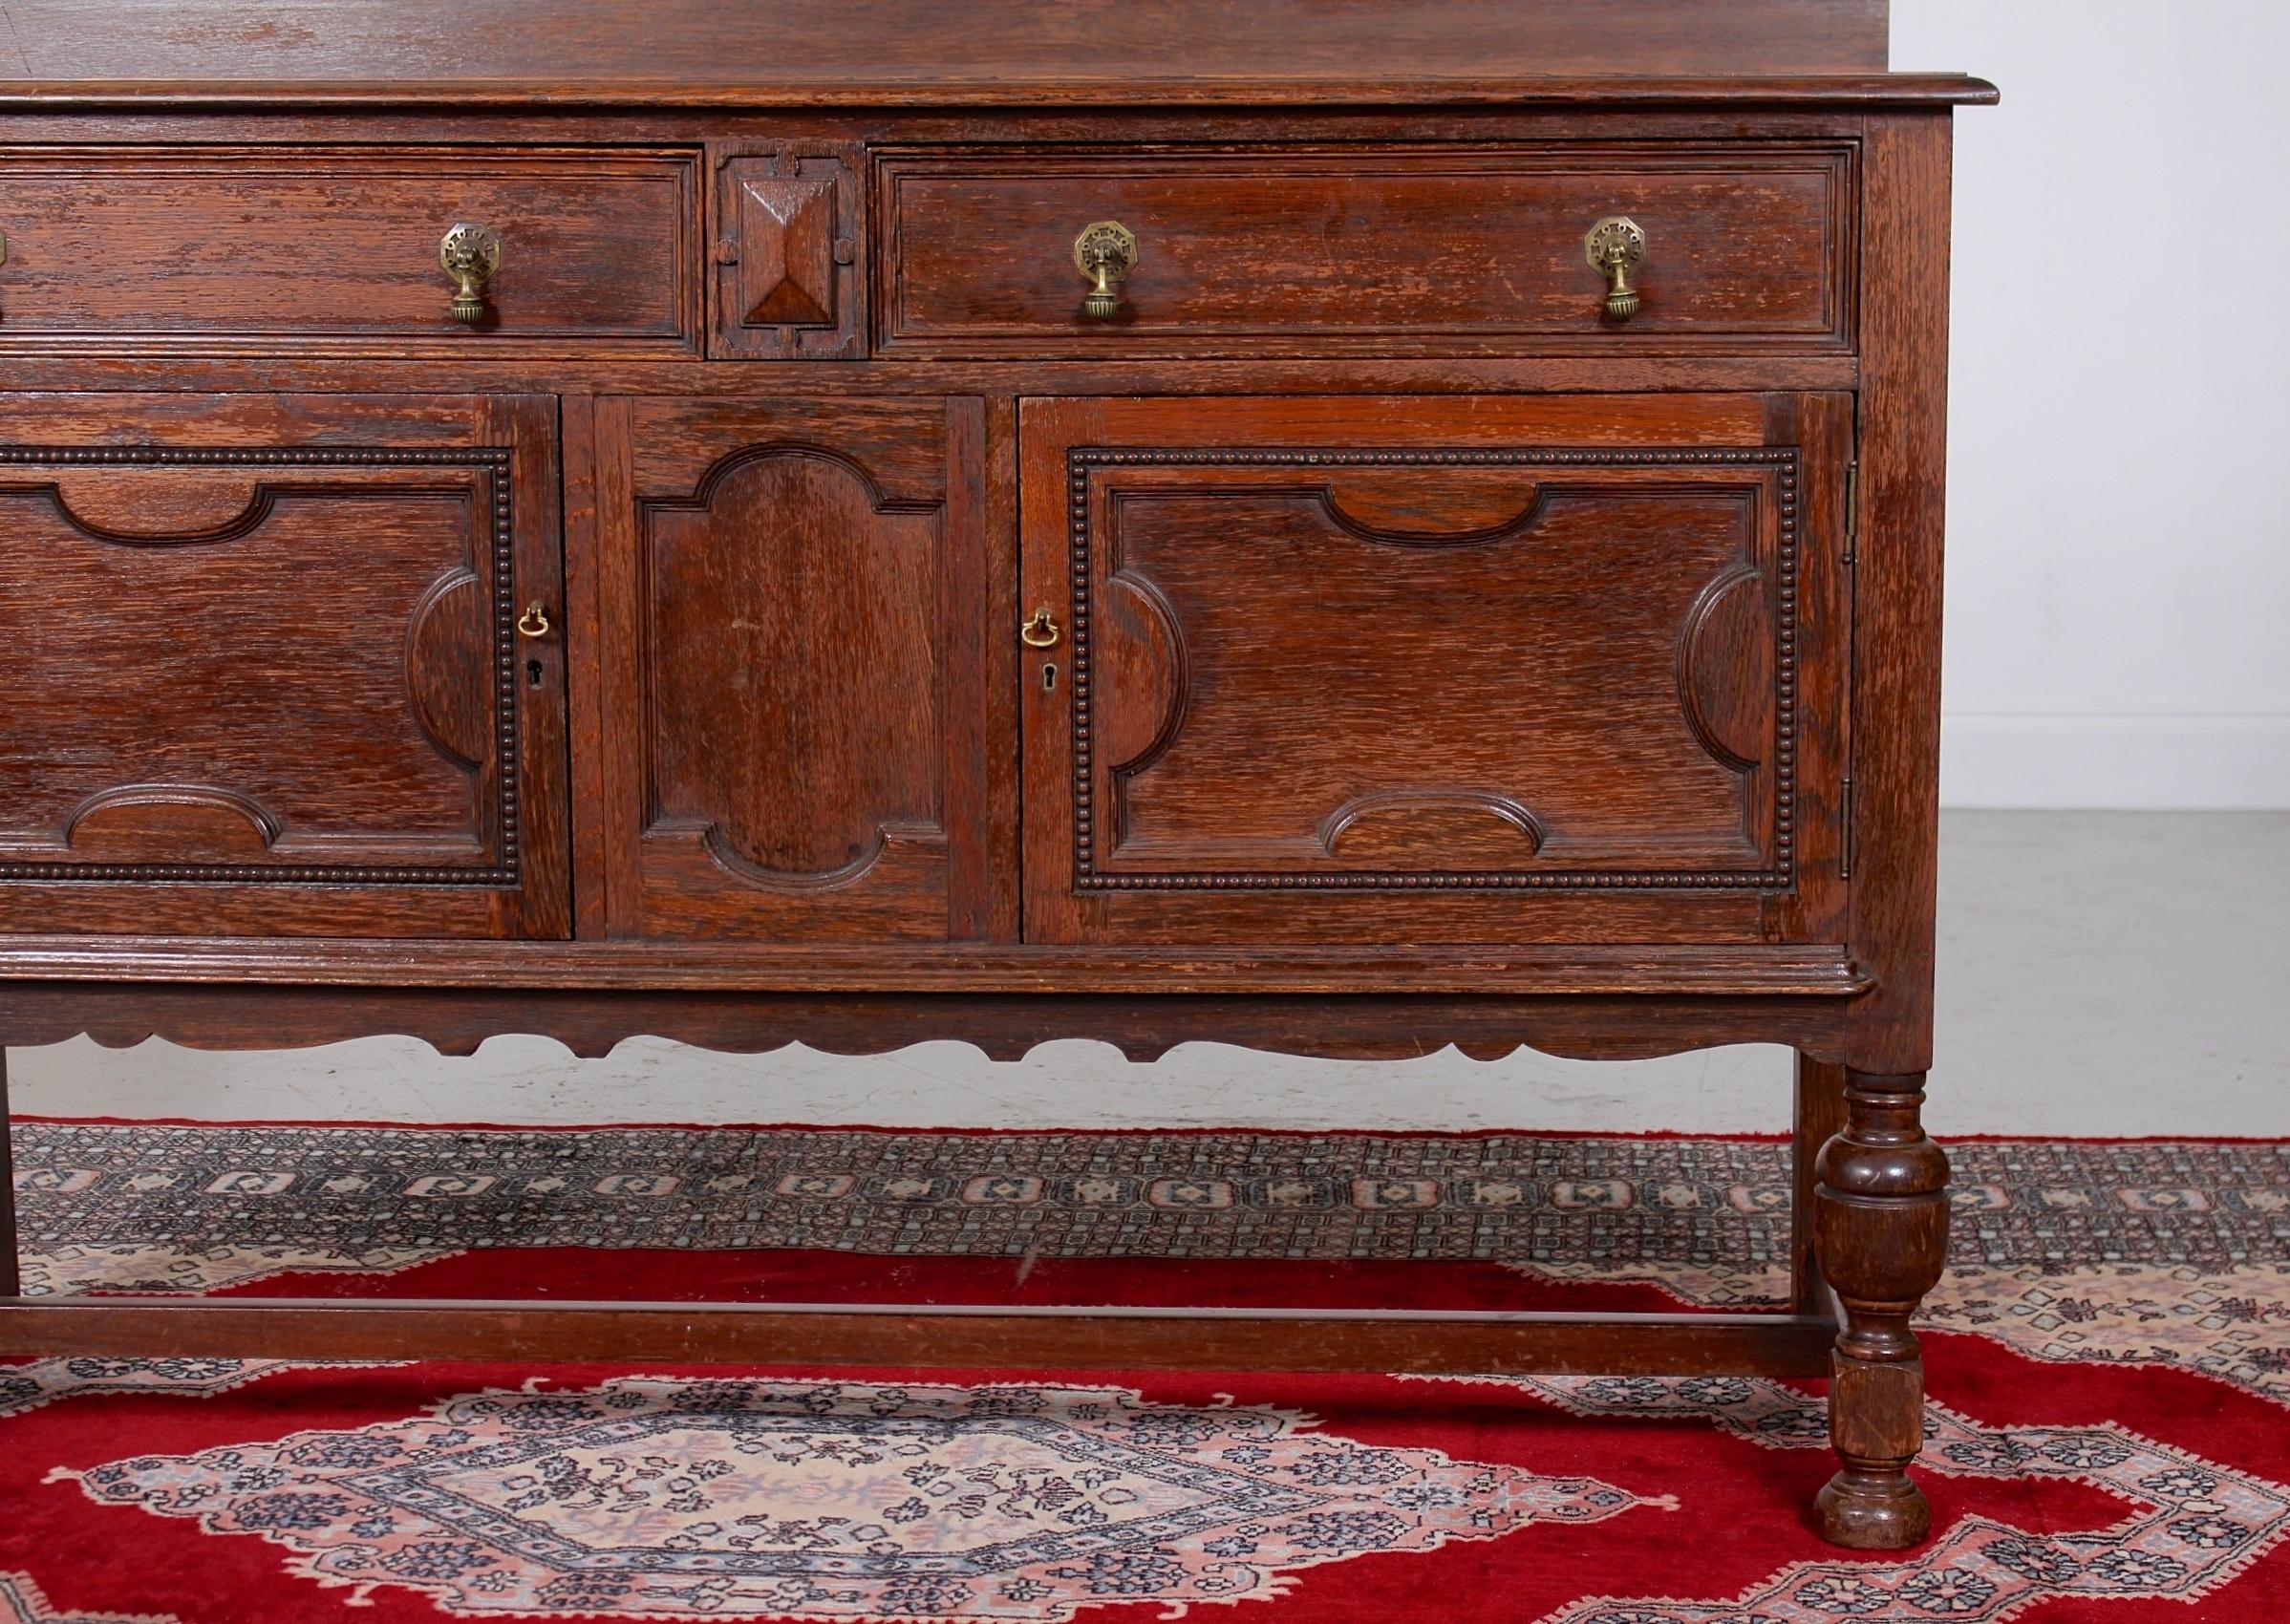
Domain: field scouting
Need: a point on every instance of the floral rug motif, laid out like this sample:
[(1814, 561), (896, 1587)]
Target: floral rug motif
[(823, 1500), (2109, 1352), (2194, 1526), (359, 1195), (34, 1382), (132, 1266), (2231, 1324), (23, 1602)]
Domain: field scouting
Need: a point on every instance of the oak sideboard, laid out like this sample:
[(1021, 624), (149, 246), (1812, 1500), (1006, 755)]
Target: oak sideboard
[(1340, 529)]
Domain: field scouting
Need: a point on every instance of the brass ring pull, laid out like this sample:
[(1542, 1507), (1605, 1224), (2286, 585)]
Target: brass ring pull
[(1614, 248), (470, 254), (1040, 633), (534, 621), (1106, 253)]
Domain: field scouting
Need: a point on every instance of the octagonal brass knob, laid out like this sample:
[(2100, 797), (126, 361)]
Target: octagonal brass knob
[(1106, 253), (1614, 248), (470, 254)]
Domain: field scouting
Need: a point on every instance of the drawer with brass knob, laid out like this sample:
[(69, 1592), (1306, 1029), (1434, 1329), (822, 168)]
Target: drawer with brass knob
[(335, 250), (1375, 252)]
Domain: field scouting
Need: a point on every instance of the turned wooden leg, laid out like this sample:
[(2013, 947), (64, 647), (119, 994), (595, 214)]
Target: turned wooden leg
[(11, 1283), (1880, 1237), (1820, 1114)]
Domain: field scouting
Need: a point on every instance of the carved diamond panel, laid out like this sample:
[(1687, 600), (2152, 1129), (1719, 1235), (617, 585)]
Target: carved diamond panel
[(787, 256), (786, 252)]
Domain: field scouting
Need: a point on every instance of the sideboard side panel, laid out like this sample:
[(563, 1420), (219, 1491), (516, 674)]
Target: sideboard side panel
[(1896, 674)]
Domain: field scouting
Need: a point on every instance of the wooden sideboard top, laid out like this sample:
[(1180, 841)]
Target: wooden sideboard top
[(951, 53)]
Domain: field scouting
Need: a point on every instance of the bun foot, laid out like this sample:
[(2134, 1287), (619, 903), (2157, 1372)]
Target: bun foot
[(1873, 1512)]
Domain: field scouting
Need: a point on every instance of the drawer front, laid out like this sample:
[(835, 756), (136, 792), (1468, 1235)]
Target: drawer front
[(1454, 669), (266, 675), (1368, 251), (293, 248)]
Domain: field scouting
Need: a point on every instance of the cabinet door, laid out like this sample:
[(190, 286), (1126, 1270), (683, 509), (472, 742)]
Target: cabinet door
[(792, 603), (1435, 669), (263, 671)]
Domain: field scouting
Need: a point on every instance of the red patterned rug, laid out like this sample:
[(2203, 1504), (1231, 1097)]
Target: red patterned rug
[(2110, 1359)]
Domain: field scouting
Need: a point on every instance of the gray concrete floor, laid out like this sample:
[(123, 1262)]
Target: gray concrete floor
[(2102, 974)]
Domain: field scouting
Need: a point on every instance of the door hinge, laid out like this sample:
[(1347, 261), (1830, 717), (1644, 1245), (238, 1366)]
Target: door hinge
[(1845, 817), (1853, 512)]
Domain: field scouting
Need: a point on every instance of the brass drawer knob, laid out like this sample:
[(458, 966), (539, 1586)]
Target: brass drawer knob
[(1614, 248), (1106, 253), (534, 621), (1040, 633), (470, 254)]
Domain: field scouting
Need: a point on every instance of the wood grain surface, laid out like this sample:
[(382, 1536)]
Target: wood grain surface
[(973, 51), (813, 1334), (789, 591), (264, 671), (1388, 252), (1357, 669), (338, 248), (1437, 659)]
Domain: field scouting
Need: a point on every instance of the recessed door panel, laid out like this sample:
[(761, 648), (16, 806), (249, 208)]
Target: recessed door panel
[(1459, 670), (796, 708), (265, 671)]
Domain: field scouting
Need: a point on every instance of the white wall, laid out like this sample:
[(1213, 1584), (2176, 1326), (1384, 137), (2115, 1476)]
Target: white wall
[(2119, 466)]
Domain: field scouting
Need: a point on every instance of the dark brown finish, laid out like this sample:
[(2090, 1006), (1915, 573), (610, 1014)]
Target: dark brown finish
[(800, 53), (1421, 651), (1880, 1227), (266, 677), (1144, 1025), (1819, 1116), (925, 1338), (786, 253), (1367, 252), (1237, 573), (788, 599), (1527, 969), (1895, 675), (247, 248), (1880, 1210), (582, 621), (1656, 92)]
